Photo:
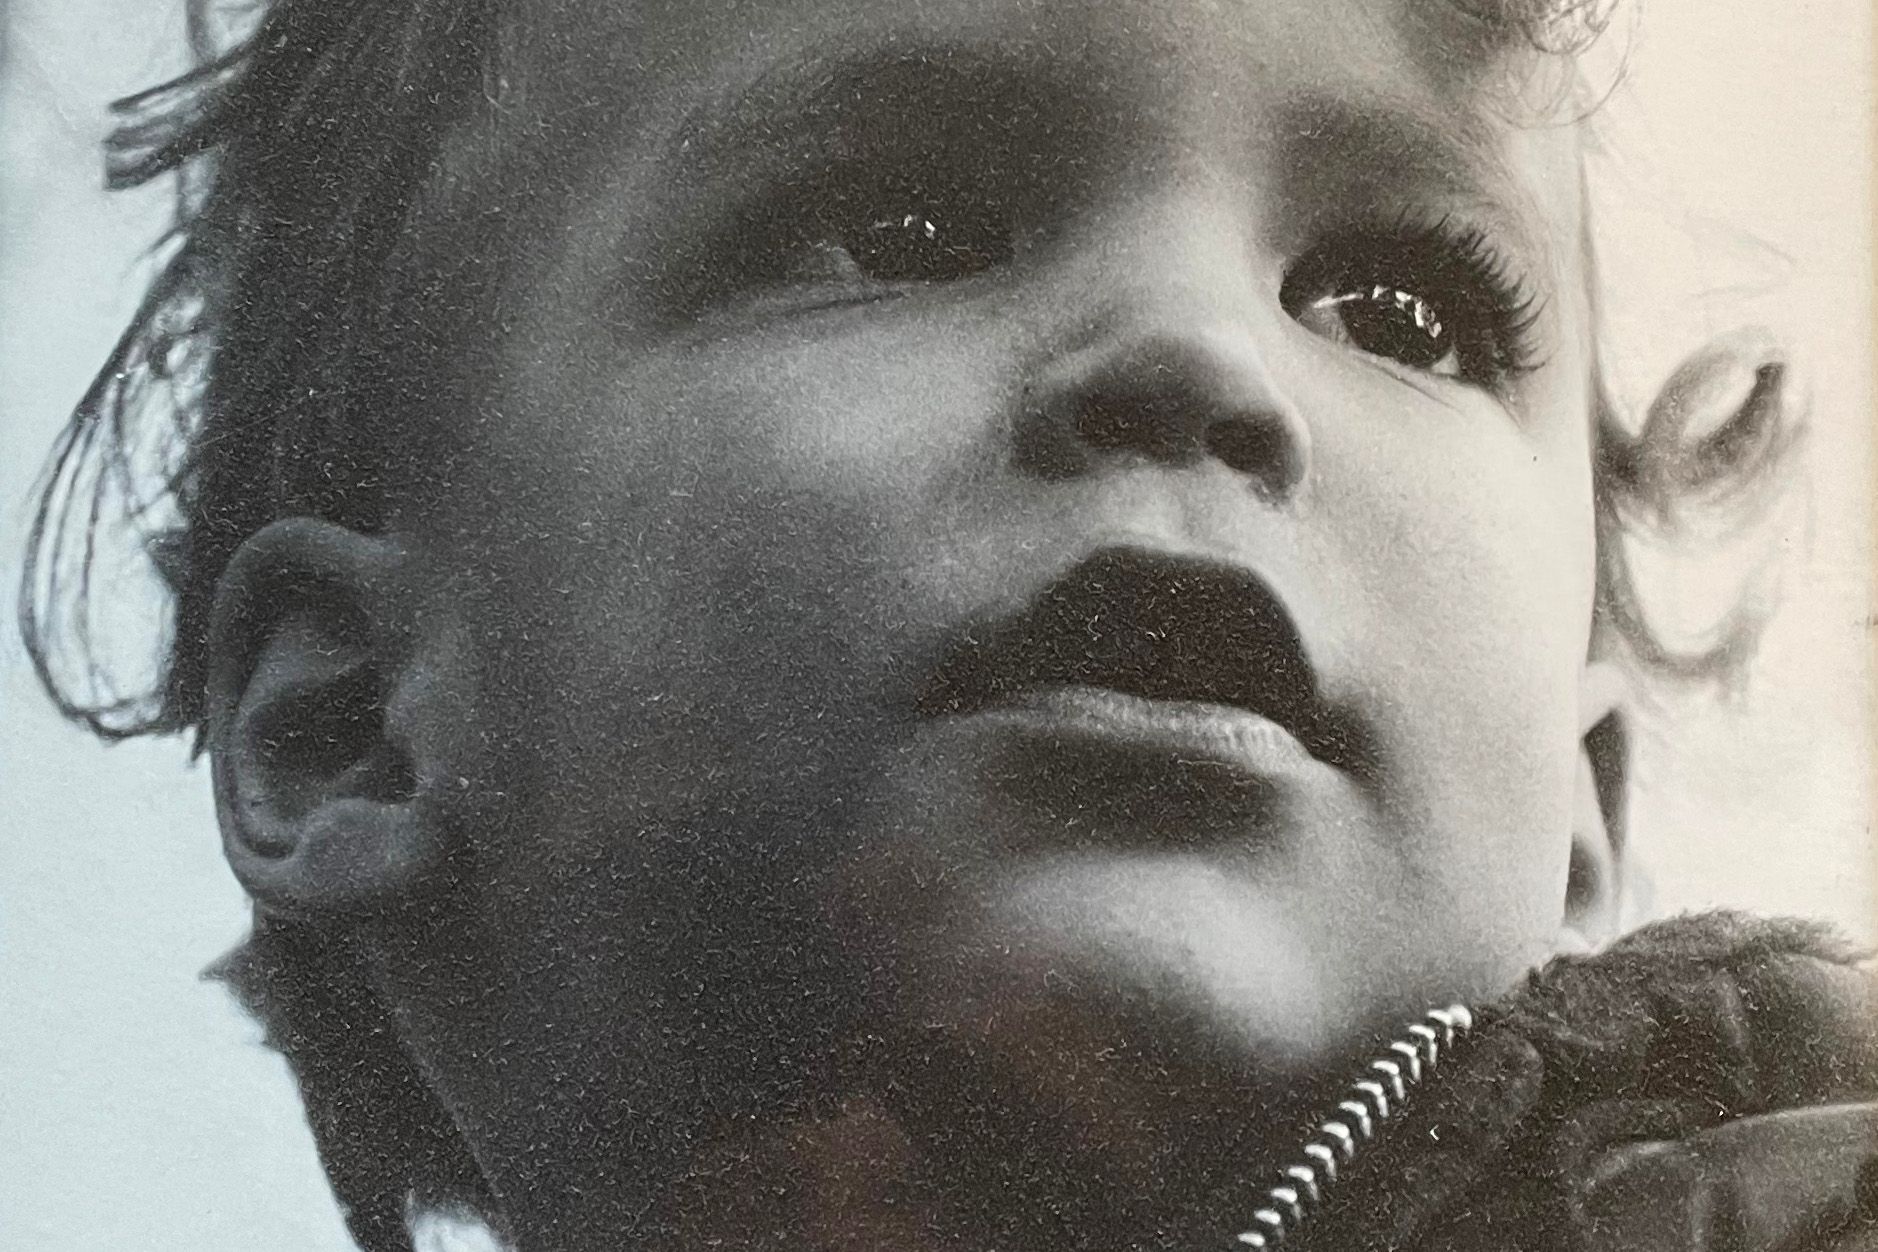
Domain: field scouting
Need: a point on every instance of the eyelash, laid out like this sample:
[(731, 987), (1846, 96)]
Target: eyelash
[(1452, 272)]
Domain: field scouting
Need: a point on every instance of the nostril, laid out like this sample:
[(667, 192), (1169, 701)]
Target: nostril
[(1108, 423), (1155, 415), (1260, 449), (1178, 399)]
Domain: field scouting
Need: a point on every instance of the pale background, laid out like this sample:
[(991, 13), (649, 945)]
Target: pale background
[(137, 1109)]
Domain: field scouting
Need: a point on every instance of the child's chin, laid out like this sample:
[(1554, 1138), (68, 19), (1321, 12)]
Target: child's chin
[(1269, 939), (1110, 1035), (1110, 1038)]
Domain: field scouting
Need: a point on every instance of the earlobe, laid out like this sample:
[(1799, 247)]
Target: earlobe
[(316, 780), (1595, 886)]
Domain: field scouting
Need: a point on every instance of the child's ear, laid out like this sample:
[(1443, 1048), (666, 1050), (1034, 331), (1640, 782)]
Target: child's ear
[(1594, 891), (317, 744)]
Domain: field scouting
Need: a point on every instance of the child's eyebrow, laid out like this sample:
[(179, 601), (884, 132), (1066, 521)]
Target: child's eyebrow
[(800, 99), (1331, 144)]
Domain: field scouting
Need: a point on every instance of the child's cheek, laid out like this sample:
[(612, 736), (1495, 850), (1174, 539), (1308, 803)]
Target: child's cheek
[(1460, 541), (727, 540)]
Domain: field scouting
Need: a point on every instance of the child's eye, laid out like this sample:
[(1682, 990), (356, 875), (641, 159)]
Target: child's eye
[(856, 234), (1432, 299), (914, 242), (1387, 321), (849, 237)]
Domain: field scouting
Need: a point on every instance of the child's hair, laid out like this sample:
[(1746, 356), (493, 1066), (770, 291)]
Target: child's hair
[(269, 373)]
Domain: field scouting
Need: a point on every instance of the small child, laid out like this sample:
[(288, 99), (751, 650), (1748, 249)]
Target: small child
[(833, 624)]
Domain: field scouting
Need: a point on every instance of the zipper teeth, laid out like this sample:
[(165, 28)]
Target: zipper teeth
[(1372, 1100)]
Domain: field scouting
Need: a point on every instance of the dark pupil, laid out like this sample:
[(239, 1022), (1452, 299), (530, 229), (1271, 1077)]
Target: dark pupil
[(926, 245), (1397, 324)]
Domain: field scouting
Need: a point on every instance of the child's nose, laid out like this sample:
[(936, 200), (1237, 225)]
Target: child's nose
[(1174, 366), (1177, 391)]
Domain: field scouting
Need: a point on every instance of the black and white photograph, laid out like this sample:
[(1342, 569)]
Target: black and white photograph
[(937, 626)]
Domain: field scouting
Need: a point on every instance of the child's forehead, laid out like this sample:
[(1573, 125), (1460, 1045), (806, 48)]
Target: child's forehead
[(1410, 86), (651, 47)]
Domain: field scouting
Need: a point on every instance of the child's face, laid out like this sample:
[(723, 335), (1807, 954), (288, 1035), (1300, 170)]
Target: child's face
[(1081, 510)]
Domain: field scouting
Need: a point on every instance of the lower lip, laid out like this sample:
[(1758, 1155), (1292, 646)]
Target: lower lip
[(1190, 732)]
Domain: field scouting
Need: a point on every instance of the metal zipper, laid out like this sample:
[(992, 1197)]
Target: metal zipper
[(1374, 1099)]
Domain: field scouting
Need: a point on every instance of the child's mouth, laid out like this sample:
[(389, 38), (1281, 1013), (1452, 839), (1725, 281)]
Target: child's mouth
[(1104, 718), (1143, 652)]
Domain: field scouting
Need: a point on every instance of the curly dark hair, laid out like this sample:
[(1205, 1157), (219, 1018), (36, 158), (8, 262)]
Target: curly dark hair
[(265, 375)]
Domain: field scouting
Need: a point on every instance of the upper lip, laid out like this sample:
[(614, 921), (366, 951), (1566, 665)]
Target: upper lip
[(1147, 624)]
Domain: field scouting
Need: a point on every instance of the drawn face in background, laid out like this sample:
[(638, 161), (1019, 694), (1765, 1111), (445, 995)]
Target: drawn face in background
[(1030, 564)]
